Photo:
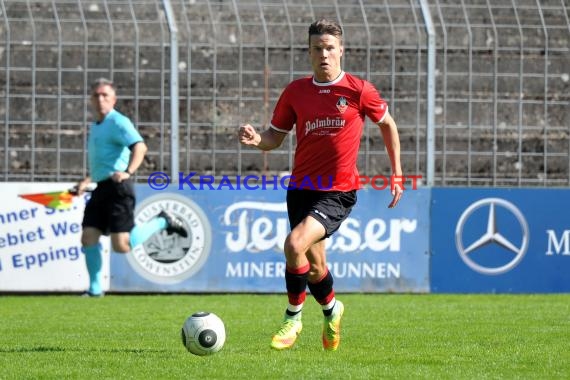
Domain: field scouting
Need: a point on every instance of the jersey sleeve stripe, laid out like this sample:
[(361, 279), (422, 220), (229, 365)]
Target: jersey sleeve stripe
[(278, 129), (383, 117)]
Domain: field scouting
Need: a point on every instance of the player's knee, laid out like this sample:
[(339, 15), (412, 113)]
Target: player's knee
[(89, 239), (294, 246), (317, 271), (120, 242), (86, 242), (121, 247)]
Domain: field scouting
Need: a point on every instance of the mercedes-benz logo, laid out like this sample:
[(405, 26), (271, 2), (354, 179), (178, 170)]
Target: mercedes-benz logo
[(492, 235)]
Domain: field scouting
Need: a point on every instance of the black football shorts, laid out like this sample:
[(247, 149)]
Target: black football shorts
[(330, 208), (111, 207)]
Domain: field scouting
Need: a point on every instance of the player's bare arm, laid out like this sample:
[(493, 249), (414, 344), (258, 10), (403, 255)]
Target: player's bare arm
[(266, 140), (391, 138)]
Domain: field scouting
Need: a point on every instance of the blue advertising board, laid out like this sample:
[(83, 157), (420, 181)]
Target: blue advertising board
[(236, 237), (500, 240), (443, 240)]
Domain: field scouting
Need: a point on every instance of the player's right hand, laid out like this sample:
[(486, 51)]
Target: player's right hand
[(248, 136)]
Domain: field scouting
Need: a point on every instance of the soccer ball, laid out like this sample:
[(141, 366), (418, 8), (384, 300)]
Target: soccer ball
[(203, 333)]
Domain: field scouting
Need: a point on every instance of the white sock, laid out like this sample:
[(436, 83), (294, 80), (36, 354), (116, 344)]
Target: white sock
[(328, 308)]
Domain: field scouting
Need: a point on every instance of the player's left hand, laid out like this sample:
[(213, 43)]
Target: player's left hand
[(397, 190)]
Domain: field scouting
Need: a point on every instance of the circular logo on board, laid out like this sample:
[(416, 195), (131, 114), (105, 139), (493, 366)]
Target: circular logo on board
[(171, 258), (491, 235)]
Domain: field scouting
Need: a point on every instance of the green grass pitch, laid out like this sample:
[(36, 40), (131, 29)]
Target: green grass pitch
[(383, 337)]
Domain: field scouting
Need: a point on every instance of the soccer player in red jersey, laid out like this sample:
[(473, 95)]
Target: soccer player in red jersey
[(328, 111)]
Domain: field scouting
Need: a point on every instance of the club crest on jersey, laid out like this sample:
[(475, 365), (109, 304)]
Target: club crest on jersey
[(342, 104)]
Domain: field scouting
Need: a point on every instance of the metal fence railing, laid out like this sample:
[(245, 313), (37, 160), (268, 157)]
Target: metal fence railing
[(504, 115), (502, 86)]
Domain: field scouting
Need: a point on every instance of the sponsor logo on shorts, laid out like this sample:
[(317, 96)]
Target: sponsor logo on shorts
[(322, 215)]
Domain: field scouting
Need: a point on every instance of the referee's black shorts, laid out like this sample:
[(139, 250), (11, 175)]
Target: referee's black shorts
[(330, 208), (111, 207)]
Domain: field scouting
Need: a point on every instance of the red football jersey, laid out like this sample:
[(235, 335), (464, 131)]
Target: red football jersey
[(329, 120)]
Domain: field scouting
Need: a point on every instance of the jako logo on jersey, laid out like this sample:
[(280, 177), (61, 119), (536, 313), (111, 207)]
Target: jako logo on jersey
[(327, 91), (342, 104)]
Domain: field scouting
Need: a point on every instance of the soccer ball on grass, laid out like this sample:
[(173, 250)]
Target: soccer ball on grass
[(203, 333)]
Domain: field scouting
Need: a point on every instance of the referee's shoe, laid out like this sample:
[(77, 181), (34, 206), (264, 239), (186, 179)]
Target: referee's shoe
[(175, 225)]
